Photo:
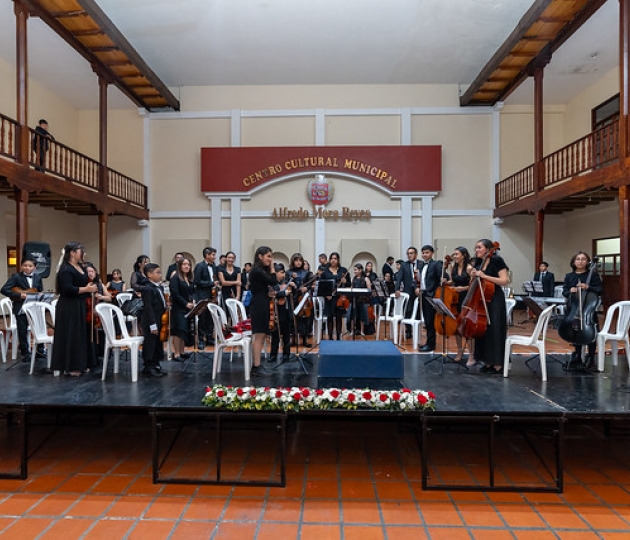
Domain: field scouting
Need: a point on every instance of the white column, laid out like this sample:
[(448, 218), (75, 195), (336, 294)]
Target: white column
[(406, 234), (235, 127), (235, 226), (320, 128), (427, 220), (146, 143), (496, 161), (216, 233), (320, 242), (405, 127)]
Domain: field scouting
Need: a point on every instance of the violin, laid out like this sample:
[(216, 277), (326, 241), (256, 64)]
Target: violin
[(446, 326), (343, 302), (473, 319), (165, 328), (579, 327), (272, 312)]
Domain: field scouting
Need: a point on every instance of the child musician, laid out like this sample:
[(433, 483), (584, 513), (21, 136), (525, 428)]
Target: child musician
[(16, 288), (154, 307), (283, 314)]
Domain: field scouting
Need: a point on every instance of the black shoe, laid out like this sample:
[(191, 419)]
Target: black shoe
[(259, 372), (490, 370), (426, 348), (209, 341), (186, 355), (272, 359), (41, 354), (26, 358), (155, 372), (177, 359), (201, 345)]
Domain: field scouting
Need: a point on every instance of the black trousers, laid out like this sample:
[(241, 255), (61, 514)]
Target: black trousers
[(428, 314)]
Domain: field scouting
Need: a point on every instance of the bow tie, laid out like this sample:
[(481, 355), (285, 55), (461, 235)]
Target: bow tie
[(28, 275)]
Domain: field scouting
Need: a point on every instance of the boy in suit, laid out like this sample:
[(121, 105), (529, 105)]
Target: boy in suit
[(16, 289), (154, 306), (547, 279), (284, 316)]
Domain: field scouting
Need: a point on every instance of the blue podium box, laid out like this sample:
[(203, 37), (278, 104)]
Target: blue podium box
[(360, 360)]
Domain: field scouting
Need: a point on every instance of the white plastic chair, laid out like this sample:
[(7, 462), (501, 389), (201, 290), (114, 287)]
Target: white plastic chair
[(36, 315), (394, 313), (622, 311), (106, 313), (121, 298), (509, 308), (10, 333), (536, 340), (560, 309), (237, 310), (237, 341), (413, 322), (320, 321)]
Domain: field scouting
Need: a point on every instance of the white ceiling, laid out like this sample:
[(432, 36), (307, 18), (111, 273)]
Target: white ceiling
[(306, 42)]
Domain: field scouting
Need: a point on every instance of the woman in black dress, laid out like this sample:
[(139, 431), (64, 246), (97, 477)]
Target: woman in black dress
[(335, 309), (230, 278), (460, 281), (490, 348), (181, 289), (261, 282), (71, 347), (138, 281)]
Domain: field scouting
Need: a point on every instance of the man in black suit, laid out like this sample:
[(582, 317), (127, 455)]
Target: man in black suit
[(154, 306), (387, 268), (547, 279), (405, 281), (430, 275), (16, 289), (206, 279), (173, 267)]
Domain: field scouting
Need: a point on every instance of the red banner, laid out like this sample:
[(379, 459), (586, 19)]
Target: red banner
[(399, 169)]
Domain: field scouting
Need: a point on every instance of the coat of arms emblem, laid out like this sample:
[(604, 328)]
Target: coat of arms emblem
[(320, 190)]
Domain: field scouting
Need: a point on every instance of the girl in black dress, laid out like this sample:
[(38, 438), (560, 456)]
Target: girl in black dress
[(300, 275), (230, 278), (181, 290), (261, 282), (70, 351), (359, 281), (460, 281), (138, 280), (490, 348), (334, 308)]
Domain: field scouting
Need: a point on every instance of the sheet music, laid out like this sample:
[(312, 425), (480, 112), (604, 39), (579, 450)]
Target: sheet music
[(301, 304)]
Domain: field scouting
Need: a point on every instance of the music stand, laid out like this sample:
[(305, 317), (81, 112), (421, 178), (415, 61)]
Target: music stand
[(194, 312), (296, 340), (442, 309)]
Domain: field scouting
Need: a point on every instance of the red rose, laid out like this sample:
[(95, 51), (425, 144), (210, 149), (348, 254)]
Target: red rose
[(334, 393), (297, 396), (405, 390), (267, 388), (278, 394), (208, 389), (422, 398), (367, 395), (220, 393), (383, 397), (396, 396), (319, 392), (239, 391), (351, 397), (431, 395), (305, 392), (252, 392)]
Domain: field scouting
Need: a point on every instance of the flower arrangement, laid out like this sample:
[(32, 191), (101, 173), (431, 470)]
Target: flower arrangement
[(296, 399)]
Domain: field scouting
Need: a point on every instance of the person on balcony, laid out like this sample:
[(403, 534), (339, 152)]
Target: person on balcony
[(41, 144)]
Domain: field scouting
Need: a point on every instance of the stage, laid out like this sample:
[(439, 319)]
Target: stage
[(466, 401)]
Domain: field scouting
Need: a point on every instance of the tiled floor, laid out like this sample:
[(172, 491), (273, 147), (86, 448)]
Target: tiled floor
[(345, 480)]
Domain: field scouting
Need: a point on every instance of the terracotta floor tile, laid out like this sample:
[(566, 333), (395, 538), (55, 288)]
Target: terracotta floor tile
[(321, 511), (221, 491), (26, 528), (178, 489), (579, 535), (612, 495), (386, 471), (400, 513), (282, 510), (487, 534), (448, 533), (189, 530), (393, 490), (144, 486), (535, 535), (54, 505), (167, 507), (115, 485), (205, 508), (351, 471), (67, 529), (561, 517), (355, 532), (327, 471), (479, 515), (81, 483), (155, 530), (243, 510), (45, 483), (320, 532), (600, 517), (91, 506), (278, 531), (294, 488), (358, 489), (613, 535), (575, 494), (18, 504), (5, 522), (129, 507), (231, 531), (360, 512), (441, 513), (109, 529), (321, 489), (519, 515)]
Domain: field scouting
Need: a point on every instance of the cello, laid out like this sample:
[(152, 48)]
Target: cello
[(446, 326), (473, 319), (579, 327)]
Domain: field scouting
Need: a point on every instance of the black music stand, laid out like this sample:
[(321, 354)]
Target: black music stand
[(296, 355), (355, 313), (442, 309), (194, 312)]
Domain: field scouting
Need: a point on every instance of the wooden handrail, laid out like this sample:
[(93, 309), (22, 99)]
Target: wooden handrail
[(126, 189), (8, 130)]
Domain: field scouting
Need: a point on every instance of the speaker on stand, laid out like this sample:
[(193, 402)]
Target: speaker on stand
[(40, 251)]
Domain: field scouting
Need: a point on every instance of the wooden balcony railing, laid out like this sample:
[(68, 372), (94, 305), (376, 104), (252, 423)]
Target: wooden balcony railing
[(65, 163), (597, 149)]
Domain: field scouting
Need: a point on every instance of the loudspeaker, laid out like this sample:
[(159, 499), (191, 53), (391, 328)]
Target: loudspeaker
[(40, 251)]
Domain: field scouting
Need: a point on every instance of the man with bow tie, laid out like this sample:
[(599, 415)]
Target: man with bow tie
[(405, 281), (16, 288), (547, 279)]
